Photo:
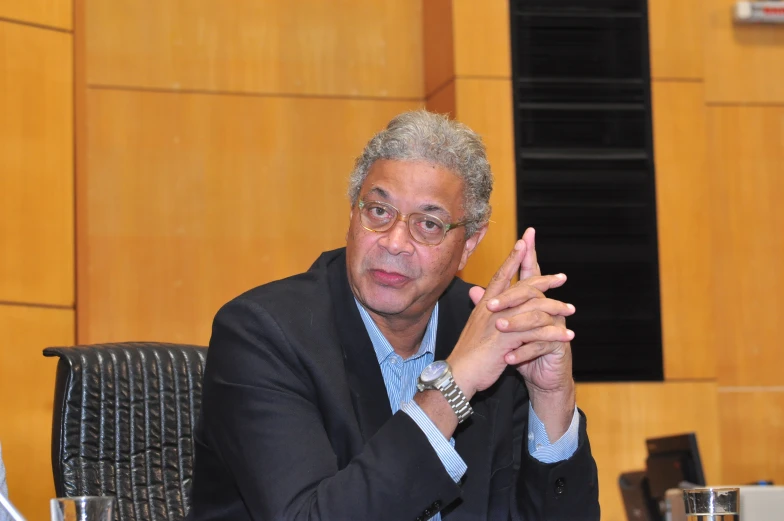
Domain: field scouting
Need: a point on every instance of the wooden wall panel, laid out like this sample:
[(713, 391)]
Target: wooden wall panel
[(438, 44), (308, 47), (684, 222), (27, 390), (752, 431), (744, 64), (622, 416), (746, 162), (53, 13), (485, 105), (443, 101), (36, 166), (195, 198), (676, 34), (482, 38)]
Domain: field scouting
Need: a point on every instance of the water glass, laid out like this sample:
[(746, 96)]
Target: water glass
[(712, 504), (84, 508)]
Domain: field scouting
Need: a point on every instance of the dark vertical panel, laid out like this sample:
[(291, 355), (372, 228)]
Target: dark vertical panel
[(585, 174)]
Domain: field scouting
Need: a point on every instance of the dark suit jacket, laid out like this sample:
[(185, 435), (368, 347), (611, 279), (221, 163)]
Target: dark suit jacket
[(296, 422)]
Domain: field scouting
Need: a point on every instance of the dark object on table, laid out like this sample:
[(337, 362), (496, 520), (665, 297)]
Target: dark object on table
[(637, 501), (673, 462)]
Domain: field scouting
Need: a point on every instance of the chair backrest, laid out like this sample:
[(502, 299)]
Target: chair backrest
[(123, 423)]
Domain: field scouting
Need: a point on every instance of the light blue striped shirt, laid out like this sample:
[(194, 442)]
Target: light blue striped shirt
[(400, 378)]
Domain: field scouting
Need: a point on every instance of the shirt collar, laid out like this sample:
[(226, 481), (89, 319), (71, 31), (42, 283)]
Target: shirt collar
[(382, 346)]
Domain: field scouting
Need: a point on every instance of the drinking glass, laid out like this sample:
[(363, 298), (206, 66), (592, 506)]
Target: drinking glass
[(84, 508), (712, 504)]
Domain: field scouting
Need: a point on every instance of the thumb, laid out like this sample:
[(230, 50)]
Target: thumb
[(476, 293)]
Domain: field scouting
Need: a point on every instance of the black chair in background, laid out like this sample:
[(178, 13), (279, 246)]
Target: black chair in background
[(123, 423)]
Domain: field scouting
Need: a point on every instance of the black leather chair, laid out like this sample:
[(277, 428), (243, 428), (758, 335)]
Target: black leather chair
[(123, 425)]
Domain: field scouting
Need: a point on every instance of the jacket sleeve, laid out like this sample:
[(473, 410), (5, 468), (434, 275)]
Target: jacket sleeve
[(261, 416), (566, 490)]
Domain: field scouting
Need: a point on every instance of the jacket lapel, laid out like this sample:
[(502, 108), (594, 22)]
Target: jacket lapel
[(368, 392)]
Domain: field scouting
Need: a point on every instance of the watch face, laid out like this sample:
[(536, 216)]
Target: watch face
[(433, 371)]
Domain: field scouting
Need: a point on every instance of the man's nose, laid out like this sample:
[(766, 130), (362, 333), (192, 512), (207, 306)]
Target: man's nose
[(397, 240)]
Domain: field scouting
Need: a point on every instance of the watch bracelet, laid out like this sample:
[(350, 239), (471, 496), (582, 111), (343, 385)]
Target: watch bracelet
[(455, 397)]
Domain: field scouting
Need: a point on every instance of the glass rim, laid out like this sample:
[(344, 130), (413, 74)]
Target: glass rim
[(712, 489), (711, 500)]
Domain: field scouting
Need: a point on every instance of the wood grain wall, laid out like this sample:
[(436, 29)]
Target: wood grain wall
[(746, 160), (26, 397), (36, 235)]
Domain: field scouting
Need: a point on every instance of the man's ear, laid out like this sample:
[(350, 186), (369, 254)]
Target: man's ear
[(470, 245)]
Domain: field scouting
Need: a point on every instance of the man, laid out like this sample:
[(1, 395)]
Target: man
[(311, 408)]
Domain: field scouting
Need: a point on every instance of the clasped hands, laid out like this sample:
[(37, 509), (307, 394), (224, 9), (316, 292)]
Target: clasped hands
[(516, 324)]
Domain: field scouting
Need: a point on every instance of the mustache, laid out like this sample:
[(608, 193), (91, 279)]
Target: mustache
[(390, 264)]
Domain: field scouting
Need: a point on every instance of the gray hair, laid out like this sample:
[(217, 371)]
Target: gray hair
[(424, 136)]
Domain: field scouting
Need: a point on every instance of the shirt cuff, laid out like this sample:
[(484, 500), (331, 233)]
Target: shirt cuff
[(445, 450), (539, 445)]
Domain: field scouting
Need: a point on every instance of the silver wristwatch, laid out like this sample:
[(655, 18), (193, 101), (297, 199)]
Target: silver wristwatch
[(438, 376)]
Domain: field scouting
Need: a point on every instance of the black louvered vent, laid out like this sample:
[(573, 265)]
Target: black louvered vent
[(585, 174)]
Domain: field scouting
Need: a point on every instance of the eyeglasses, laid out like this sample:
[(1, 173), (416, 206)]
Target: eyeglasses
[(424, 228)]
